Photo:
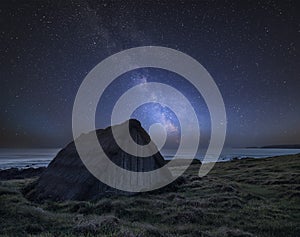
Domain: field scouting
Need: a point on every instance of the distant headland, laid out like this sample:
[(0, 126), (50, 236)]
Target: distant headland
[(290, 146)]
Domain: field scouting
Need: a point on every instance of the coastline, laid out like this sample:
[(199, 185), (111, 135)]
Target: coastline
[(35, 158)]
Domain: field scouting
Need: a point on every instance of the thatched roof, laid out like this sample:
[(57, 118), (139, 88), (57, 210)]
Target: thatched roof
[(66, 177)]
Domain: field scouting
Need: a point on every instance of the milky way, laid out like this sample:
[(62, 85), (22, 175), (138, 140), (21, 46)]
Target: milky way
[(249, 48)]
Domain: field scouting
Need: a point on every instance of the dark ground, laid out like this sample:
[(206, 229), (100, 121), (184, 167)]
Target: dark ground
[(15, 173), (249, 197)]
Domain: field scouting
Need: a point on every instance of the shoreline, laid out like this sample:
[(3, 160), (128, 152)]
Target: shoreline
[(29, 172)]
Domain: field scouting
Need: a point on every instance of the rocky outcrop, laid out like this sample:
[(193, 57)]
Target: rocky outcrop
[(66, 177)]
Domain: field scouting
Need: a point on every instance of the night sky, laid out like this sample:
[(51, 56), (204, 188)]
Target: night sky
[(251, 49)]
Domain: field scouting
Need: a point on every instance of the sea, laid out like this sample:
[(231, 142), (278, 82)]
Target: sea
[(26, 158)]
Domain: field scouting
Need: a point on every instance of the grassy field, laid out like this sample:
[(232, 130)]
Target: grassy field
[(249, 197)]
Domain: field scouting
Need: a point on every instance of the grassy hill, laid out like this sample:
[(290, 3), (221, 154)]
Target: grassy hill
[(249, 197)]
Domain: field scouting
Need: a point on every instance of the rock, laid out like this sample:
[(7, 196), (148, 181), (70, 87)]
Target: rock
[(182, 162), (67, 178)]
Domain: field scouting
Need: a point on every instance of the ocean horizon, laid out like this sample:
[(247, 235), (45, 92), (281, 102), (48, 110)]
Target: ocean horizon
[(41, 157)]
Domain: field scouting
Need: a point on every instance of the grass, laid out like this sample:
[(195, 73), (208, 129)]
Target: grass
[(252, 197)]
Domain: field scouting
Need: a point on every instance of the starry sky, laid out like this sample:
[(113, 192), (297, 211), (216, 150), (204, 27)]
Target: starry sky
[(251, 49)]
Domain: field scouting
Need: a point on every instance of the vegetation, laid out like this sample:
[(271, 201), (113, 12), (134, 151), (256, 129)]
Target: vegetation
[(249, 197)]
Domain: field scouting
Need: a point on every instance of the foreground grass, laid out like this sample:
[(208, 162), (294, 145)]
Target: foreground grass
[(248, 197)]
